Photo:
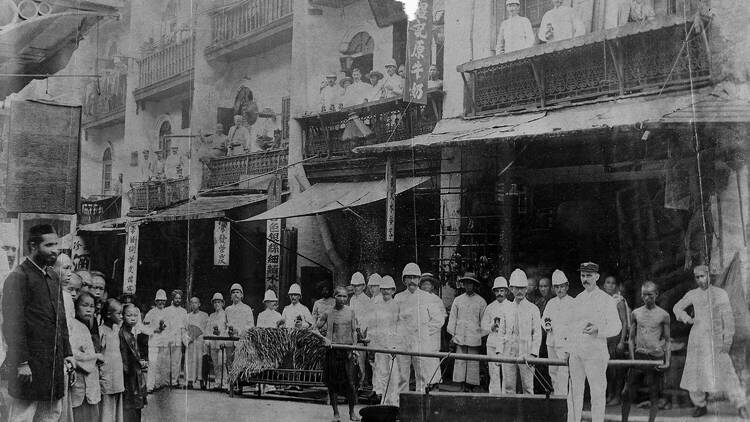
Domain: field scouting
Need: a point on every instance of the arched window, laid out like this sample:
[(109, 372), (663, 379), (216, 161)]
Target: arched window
[(164, 141), (107, 171), (359, 53)]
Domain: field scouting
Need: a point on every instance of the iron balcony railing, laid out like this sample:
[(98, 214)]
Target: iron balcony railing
[(635, 58), (326, 135), (226, 172), (247, 17), (172, 59), (157, 194)]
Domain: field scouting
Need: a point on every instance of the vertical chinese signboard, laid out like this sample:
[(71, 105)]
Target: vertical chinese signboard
[(419, 53), (131, 260), (221, 243), (273, 235), (390, 199)]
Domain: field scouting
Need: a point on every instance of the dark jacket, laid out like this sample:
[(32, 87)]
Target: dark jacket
[(134, 396), (36, 332)]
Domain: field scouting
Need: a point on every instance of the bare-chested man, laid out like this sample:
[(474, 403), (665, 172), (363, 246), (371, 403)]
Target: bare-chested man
[(648, 340)]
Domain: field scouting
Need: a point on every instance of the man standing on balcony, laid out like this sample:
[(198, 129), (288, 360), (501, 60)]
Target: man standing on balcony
[(159, 166), (238, 138), (173, 164), (359, 91), (330, 94), (215, 145), (560, 23), (393, 84), (148, 166), (515, 33)]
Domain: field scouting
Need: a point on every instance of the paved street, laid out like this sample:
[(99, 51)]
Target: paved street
[(199, 406)]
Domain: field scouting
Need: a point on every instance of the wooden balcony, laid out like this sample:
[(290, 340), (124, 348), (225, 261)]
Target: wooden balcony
[(166, 71), (249, 27), (154, 195), (226, 172), (104, 101), (389, 120), (637, 58)]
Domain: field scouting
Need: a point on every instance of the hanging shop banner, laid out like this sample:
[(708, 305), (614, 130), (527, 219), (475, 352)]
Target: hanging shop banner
[(419, 53), (131, 260), (80, 254), (390, 200), (221, 243), (273, 253)]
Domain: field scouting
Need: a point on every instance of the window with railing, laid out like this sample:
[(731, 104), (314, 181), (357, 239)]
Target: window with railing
[(233, 22)]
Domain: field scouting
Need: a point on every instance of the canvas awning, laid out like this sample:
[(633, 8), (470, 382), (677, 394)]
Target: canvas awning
[(568, 120), (205, 207), (325, 197)]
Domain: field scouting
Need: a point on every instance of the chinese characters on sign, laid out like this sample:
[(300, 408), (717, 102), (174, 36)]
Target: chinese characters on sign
[(221, 243), (419, 53), (390, 200), (273, 253), (79, 254), (131, 260)]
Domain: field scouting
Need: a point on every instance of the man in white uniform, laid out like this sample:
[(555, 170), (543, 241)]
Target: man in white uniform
[(560, 23), (464, 325), (330, 93), (194, 346), (155, 325), (382, 334), (176, 319), (523, 335), (373, 285), (493, 325), (420, 320), (595, 319), (393, 84), (238, 140), (360, 304), (269, 318), (515, 33), (296, 315), (557, 320), (708, 367)]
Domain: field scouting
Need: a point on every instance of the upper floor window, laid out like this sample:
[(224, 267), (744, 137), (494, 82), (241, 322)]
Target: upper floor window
[(107, 171), (358, 53)]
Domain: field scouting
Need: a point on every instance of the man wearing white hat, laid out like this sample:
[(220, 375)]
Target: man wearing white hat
[(493, 326), (464, 325), (419, 323), (239, 315), (393, 84), (383, 335), (360, 304), (373, 285), (330, 92), (270, 318), (515, 33), (216, 325), (523, 335), (595, 319), (557, 320), (155, 323), (296, 315)]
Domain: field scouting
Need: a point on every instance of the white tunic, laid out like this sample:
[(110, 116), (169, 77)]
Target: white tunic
[(515, 33), (561, 314), (464, 321), (330, 95), (360, 304), (240, 318), (420, 318), (563, 22), (151, 320), (522, 334), (176, 319), (269, 319), (598, 308), (393, 86), (496, 312), (291, 312)]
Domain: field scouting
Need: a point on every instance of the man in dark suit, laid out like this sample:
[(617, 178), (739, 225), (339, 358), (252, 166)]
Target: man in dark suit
[(36, 333)]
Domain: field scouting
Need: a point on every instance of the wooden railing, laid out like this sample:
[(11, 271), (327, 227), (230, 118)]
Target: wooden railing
[(227, 171), (170, 60), (105, 96), (389, 120), (230, 23), (634, 58), (154, 195)]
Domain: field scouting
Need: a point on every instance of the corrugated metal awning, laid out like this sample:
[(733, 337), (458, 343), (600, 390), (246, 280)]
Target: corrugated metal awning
[(554, 122), (325, 197)]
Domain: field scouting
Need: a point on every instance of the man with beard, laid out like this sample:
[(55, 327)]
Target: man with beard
[(493, 325), (36, 332), (155, 325), (522, 336), (295, 314), (596, 319)]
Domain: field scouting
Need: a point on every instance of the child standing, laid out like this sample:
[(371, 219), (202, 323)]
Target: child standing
[(111, 371), (134, 397), (85, 394)]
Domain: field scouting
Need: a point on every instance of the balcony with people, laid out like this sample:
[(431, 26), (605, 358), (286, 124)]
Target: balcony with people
[(164, 180), (549, 53), (248, 27)]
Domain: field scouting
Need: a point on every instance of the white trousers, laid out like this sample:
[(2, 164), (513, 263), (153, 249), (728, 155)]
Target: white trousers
[(34, 411), (175, 357), (385, 380), (558, 374), (221, 376), (495, 370), (509, 378), (732, 386), (405, 363), (595, 370), (111, 408), (194, 361), (158, 367)]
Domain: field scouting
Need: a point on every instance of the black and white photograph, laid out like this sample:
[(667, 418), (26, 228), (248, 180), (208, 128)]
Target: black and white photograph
[(374, 210)]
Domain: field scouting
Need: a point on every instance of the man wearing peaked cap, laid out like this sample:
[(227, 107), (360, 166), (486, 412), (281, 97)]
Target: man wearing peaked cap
[(360, 304), (270, 318), (494, 321), (464, 324), (296, 315), (595, 319), (155, 322), (217, 326), (523, 335), (708, 366), (420, 319), (557, 320)]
